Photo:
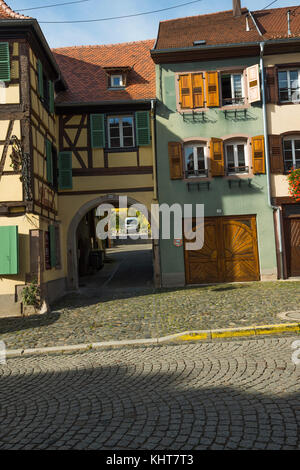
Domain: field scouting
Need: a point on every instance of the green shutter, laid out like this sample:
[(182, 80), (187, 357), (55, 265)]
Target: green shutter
[(51, 96), (9, 250), (49, 161), (41, 79), (65, 170), (52, 237), (4, 62), (97, 131), (142, 128)]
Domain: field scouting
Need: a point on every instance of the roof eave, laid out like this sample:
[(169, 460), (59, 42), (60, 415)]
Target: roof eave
[(32, 22)]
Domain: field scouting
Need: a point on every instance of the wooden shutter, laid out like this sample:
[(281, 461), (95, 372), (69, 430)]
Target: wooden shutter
[(97, 131), (9, 250), (4, 62), (65, 170), (175, 160), (253, 83), (258, 154), (197, 88), (276, 154), (40, 78), (52, 237), (185, 91), (272, 85), (51, 96), (212, 88), (142, 123), (216, 157), (49, 161)]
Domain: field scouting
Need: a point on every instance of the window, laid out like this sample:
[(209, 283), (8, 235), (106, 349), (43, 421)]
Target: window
[(116, 81), (289, 85), (45, 88), (195, 160), (236, 157), (120, 131), (232, 89), (291, 152)]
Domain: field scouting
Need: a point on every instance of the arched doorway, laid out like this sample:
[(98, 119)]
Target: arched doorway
[(72, 242)]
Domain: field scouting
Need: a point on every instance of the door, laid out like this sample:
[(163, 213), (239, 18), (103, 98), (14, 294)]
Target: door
[(229, 252), (292, 236)]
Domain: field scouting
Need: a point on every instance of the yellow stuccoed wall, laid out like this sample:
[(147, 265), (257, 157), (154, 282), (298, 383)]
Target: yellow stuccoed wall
[(282, 118)]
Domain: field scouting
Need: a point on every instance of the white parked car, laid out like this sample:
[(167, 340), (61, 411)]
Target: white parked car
[(132, 225)]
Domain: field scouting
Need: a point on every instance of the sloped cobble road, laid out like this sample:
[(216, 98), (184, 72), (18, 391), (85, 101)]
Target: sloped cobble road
[(223, 395)]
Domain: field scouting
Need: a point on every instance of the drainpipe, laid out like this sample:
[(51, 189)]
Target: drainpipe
[(265, 122)]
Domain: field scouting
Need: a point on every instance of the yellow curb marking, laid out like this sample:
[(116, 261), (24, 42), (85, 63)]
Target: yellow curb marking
[(230, 334), (192, 337)]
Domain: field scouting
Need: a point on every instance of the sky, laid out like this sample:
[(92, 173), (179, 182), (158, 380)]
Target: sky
[(120, 30)]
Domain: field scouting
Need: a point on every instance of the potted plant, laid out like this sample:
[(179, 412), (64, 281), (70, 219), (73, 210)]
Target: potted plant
[(31, 298), (294, 183)]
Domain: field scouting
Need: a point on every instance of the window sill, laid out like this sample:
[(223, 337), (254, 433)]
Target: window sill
[(114, 88), (120, 149)]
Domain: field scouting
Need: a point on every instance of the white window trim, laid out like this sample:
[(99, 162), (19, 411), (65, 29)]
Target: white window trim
[(195, 146), (292, 139), (235, 144), (120, 76), (121, 131), (289, 85)]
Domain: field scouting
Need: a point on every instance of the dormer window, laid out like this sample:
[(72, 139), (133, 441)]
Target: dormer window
[(116, 81), (117, 76)]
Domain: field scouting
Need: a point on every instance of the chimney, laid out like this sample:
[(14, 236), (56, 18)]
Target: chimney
[(236, 7)]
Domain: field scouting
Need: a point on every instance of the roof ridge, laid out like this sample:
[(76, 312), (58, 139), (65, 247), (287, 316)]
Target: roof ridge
[(11, 13), (244, 9), (102, 45)]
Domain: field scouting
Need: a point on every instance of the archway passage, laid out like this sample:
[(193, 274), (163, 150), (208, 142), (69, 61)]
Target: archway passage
[(112, 263)]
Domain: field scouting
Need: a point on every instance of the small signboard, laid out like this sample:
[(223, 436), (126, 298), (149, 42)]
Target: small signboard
[(178, 242)]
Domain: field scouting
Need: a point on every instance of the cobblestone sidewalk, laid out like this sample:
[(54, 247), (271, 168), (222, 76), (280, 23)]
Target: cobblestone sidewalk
[(116, 314)]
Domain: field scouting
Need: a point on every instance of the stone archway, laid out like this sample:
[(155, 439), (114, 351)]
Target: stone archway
[(72, 265)]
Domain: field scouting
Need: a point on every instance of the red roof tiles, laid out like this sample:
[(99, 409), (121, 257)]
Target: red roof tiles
[(223, 28), (83, 69), (6, 13)]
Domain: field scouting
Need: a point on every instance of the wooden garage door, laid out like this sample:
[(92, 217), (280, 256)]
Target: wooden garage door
[(229, 252), (292, 236)]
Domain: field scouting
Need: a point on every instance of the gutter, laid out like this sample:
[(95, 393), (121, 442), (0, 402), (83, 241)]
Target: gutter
[(225, 46), (265, 123), (103, 103)]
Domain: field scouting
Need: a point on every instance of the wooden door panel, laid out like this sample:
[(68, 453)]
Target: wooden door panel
[(294, 246), (202, 265), (229, 252)]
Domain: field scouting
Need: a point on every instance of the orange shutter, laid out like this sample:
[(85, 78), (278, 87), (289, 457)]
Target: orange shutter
[(212, 88), (216, 157), (175, 160), (185, 91), (197, 86), (258, 154), (276, 154), (253, 83)]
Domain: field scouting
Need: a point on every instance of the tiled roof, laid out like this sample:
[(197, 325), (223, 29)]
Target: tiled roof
[(6, 13), (273, 23), (223, 28), (83, 70)]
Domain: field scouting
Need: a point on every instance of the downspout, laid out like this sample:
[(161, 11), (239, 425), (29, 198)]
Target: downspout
[(265, 123)]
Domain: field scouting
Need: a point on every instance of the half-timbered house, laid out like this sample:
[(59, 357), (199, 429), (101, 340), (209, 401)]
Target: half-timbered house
[(76, 129)]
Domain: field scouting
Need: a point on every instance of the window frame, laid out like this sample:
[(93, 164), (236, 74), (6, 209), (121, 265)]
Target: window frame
[(121, 136), (288, 70), (119, 75), (235, 143), (292, 139), (243, 97), (195, 146)]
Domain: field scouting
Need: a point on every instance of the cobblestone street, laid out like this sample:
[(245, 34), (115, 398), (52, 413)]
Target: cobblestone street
[(225, 395)]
